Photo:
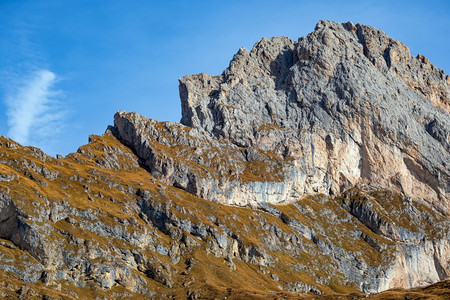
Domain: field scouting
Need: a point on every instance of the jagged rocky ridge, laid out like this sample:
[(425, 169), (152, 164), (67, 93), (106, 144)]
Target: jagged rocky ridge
[(338, 144), (346, 104)]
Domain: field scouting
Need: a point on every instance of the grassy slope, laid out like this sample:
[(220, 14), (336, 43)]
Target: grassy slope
[(86, 184)]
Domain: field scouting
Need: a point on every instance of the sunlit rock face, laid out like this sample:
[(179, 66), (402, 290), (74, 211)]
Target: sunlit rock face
[(344, 106), (312, 167)]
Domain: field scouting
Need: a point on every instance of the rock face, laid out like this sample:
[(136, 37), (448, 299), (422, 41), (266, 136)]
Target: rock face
[(317, 166), (210, 168), (347, 103)]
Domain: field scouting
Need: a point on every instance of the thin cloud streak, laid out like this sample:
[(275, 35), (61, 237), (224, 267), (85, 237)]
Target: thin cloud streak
[(33, 110)]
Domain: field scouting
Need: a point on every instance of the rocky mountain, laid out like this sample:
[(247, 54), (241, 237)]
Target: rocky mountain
[(342, 104), (312, 167)]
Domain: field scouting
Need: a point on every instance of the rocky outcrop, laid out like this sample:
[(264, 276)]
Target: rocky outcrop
[(345, 106), (208, 167), (422, 242), (347, 103)]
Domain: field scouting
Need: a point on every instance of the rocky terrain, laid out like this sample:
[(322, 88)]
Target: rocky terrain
[(306, 168), (342, 104)]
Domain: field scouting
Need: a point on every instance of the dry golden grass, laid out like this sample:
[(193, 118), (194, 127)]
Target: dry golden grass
[(85, 184)]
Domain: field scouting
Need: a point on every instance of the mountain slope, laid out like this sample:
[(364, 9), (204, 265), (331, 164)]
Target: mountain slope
[(309, 167)]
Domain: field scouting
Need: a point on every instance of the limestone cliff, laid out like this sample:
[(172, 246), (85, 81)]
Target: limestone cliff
[(346, 104), (312, 167)]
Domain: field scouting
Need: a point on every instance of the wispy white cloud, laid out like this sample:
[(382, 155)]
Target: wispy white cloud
[(33, 109)]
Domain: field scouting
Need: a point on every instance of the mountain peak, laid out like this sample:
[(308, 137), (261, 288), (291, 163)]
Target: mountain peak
[(347, 103)]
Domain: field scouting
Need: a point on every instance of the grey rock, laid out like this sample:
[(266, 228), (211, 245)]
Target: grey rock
[(344, 102)]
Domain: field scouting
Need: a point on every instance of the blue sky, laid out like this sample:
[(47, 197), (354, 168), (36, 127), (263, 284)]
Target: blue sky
[(67, 66)]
